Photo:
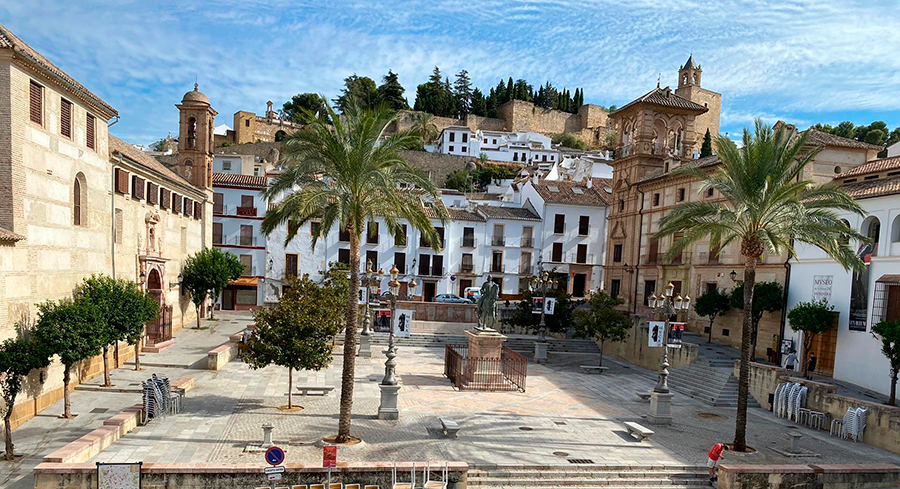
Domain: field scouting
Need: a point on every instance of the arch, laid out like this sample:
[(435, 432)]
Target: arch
[(280, 135), (871, 228), (79, 200), (192, 133), (696, 78), (895, 229), (154, 281), (837, 170), (684, 79)]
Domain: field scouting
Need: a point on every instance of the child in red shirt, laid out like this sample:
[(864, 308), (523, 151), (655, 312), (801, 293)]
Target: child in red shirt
[(715, 454)]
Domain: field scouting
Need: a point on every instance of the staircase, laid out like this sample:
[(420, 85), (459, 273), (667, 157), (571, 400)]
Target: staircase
[(522, 344), (585, 476), (710, 380)]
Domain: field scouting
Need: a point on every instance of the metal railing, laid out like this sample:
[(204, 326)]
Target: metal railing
[(432, 271), (527, 243), (467, 268), (498, 241), (468, 243), (496, 268), (506, 373), (574, 258), (246, 211), (160, 329), (238, 241), (526, 270)]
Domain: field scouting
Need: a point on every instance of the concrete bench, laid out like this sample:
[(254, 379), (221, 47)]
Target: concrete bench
[(645, 396), (590, 369), (317, 389), (449, 427), (638, 431)]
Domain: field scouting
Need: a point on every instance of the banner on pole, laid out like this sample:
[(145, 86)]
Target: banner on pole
[(676, 333), (655, 338)]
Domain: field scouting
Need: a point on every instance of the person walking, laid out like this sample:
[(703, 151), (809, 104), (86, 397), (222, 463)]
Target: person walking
[(811, 365), (716, 453), (791, 362)]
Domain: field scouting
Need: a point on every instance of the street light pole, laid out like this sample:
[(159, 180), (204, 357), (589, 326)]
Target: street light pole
[(389, 386), (540, 346), (660, 400)]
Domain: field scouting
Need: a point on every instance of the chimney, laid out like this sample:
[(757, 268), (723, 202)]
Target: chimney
[(536, 178), (590, 182)]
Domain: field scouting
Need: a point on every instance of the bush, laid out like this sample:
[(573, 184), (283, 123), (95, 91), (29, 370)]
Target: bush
[(570, 141)]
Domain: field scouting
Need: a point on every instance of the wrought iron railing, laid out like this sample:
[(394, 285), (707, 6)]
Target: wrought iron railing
[(506, 373), (160, 329)]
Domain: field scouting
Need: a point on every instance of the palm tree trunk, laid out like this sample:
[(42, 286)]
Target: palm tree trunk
[(740, 429), (349, 342), (106, 381), (67, 405), (290, 388)]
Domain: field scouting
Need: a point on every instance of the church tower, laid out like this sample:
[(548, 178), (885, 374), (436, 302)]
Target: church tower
[(689, 74), (689, 88), (195, 138)]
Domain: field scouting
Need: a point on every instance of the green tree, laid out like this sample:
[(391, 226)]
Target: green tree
[(18, 357), (811, 318), (845, 130), (479, 103), (462, 93), (123, 309), (767, 205), (73, 330), (458, 180), (296, 333), (563, 314), (423, 125), (292, 110), (346, 176), (207, 272), (767, 297), (358, 90), (876, 137), (712, 304), (391, 91), (602, 320), (569, 140), (486, 174), (888, 332), (435, 96), (706, 148)]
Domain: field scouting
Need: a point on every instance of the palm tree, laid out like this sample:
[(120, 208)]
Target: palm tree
[(347, 175), (424, 126), (767, 205)]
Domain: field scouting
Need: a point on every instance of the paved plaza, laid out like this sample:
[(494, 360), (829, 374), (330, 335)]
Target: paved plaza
[(563, 414)]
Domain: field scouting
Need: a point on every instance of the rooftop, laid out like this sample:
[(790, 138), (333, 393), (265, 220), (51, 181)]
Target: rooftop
[(820, 138), (7, 235), (873, 188), (249, 181), (118, 146), (572, 193), (664, 97), (514, 213), (874, 166)]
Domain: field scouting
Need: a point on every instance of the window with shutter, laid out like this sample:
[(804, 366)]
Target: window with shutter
[(290, 265), (89, 131), (198, 210), (121, 181), (77, 203), (187, 207), (36, 103), (217, 233), (152, 193), (137, 188), (176, 203), (165, 198), (65, 118)]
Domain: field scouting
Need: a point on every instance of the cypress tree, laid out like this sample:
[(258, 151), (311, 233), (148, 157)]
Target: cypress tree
[(510, 94), (706, 148)]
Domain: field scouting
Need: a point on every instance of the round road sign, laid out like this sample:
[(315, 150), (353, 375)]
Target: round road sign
[(274, 456)]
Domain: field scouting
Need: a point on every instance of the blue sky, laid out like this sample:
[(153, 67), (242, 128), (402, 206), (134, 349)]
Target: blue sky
[(803, 61)]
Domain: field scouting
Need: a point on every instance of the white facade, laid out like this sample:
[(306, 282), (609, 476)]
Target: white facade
[(513, 147), (858, 358)]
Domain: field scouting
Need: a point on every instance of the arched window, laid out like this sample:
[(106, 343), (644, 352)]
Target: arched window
[(696, 79), (895, 230), (871, 227), (192, 133), (845, 241), (79, 200), (280, 135)]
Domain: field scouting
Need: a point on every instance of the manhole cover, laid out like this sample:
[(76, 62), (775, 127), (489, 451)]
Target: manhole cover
[(561, 454), (526, 428), (99, 410), (580, 460), (710, 416)]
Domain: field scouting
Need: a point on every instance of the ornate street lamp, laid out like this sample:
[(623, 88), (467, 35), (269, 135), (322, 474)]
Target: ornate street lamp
[(667, 306), (541, 285), (391, 364)]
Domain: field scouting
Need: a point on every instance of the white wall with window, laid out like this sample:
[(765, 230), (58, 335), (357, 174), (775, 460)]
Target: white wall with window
[(238, 211)]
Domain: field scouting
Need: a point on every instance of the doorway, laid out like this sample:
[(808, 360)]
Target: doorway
[(578, 284), (228, 299), (463, 285), (429, 290)]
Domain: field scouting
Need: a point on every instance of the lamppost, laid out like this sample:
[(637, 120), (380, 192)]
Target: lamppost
[(390, 386), (370, 280), (540, 285), (660, 398)]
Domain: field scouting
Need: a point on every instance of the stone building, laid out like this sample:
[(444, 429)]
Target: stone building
[(76, 201), (690, 89), (252, 128)]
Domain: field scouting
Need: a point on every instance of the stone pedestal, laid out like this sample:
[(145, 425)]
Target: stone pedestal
[(365, 346), (484, 344), (388, 408), (267, 435), (660, 408), (540, 351)]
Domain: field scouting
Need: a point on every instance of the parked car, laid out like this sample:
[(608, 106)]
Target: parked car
[(451, 298), (472, 294)]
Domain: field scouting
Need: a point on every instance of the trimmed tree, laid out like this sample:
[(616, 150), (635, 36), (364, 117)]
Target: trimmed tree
[(767, 297), (122, 308), (811, 318), (206, 274), (706, 147), (74, 331), (888, 332), (296, 333), (711, 305), (601, 320), (18, 357)]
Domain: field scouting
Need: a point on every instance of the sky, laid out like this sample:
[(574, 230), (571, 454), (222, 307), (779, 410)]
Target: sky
[(803, 61)]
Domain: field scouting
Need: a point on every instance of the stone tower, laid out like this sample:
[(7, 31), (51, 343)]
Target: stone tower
[(195, 138), (689, 88)]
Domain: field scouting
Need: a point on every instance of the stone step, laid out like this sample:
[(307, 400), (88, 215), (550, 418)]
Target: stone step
[(699, 481), (584, 474)]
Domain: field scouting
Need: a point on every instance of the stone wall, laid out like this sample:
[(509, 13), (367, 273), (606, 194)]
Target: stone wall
[(438, 311), (437, 166), (809, 476), (634, 349)]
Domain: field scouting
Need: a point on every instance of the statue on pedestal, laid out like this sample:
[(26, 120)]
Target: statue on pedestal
[(487, 306)]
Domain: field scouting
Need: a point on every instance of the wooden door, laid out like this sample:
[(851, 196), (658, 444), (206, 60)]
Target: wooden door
[(893, 303), (429, 290), (228, 299), (824, 345)]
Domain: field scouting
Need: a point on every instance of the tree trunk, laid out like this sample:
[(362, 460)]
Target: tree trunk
[(198, 316), (212, 307), (67, 405), (711, 319), (601, 353), (807, 345), (740, 428), (137, 355), (290, 388), (106, 380), (7, 428), (349, 342), (892, 401)]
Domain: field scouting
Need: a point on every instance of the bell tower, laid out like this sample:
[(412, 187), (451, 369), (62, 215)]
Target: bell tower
[(689, 74), (195, 138)]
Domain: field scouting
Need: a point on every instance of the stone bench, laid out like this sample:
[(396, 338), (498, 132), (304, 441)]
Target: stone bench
[(638, 431), (645, 396), (218, 357), (321, 390), (590, 369), (449, 427)]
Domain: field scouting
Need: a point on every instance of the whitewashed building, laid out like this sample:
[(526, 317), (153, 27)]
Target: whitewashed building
[(860, 299), (512, 147)]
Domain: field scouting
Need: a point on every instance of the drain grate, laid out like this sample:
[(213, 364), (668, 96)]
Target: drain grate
[(526, 428), (99, 410), (580, 460)]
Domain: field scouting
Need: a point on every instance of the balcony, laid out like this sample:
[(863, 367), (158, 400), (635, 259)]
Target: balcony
[(527, 242), (467, 268), (431, 271), (587, 259), (253, 241), (246, 211), (468, 243), (526, 270), (498, 241), (497, 268), (708, 258)]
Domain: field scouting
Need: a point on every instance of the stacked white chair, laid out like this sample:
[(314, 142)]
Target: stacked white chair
[(403, 485), (850, 425), (860, 424), (435, 484)]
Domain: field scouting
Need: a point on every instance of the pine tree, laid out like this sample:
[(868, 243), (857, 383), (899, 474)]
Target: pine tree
[(479, 104), (435, 77), (510, 94), (391, 92), (493, 103), (706, 148), (462, 93)]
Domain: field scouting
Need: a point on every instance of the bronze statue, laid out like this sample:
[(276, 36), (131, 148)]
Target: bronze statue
[(487, 306)]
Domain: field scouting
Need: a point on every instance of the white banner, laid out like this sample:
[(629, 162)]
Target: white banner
[(655, 338), (403, 324)]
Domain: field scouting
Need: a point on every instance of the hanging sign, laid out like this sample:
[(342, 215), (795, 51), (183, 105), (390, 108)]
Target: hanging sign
[(655, 338), (676, 333), (403, 324)]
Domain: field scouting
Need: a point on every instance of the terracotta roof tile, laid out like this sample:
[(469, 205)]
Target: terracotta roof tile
[(118, 146), (8, 40), (7, 235), (249, 181), (513, 213), (873, 188), (820, 138), (664, 97), (874, 166), (572, 193)]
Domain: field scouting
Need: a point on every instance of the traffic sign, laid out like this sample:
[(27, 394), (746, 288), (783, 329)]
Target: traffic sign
[(329, 456), (274, 470), (274, 456), (274, 477)]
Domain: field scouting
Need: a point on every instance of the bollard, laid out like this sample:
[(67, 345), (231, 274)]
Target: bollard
[(795, 441), (267, 435)]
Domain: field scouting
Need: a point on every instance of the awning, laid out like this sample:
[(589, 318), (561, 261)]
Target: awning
[(889, 279), (245, 281)]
